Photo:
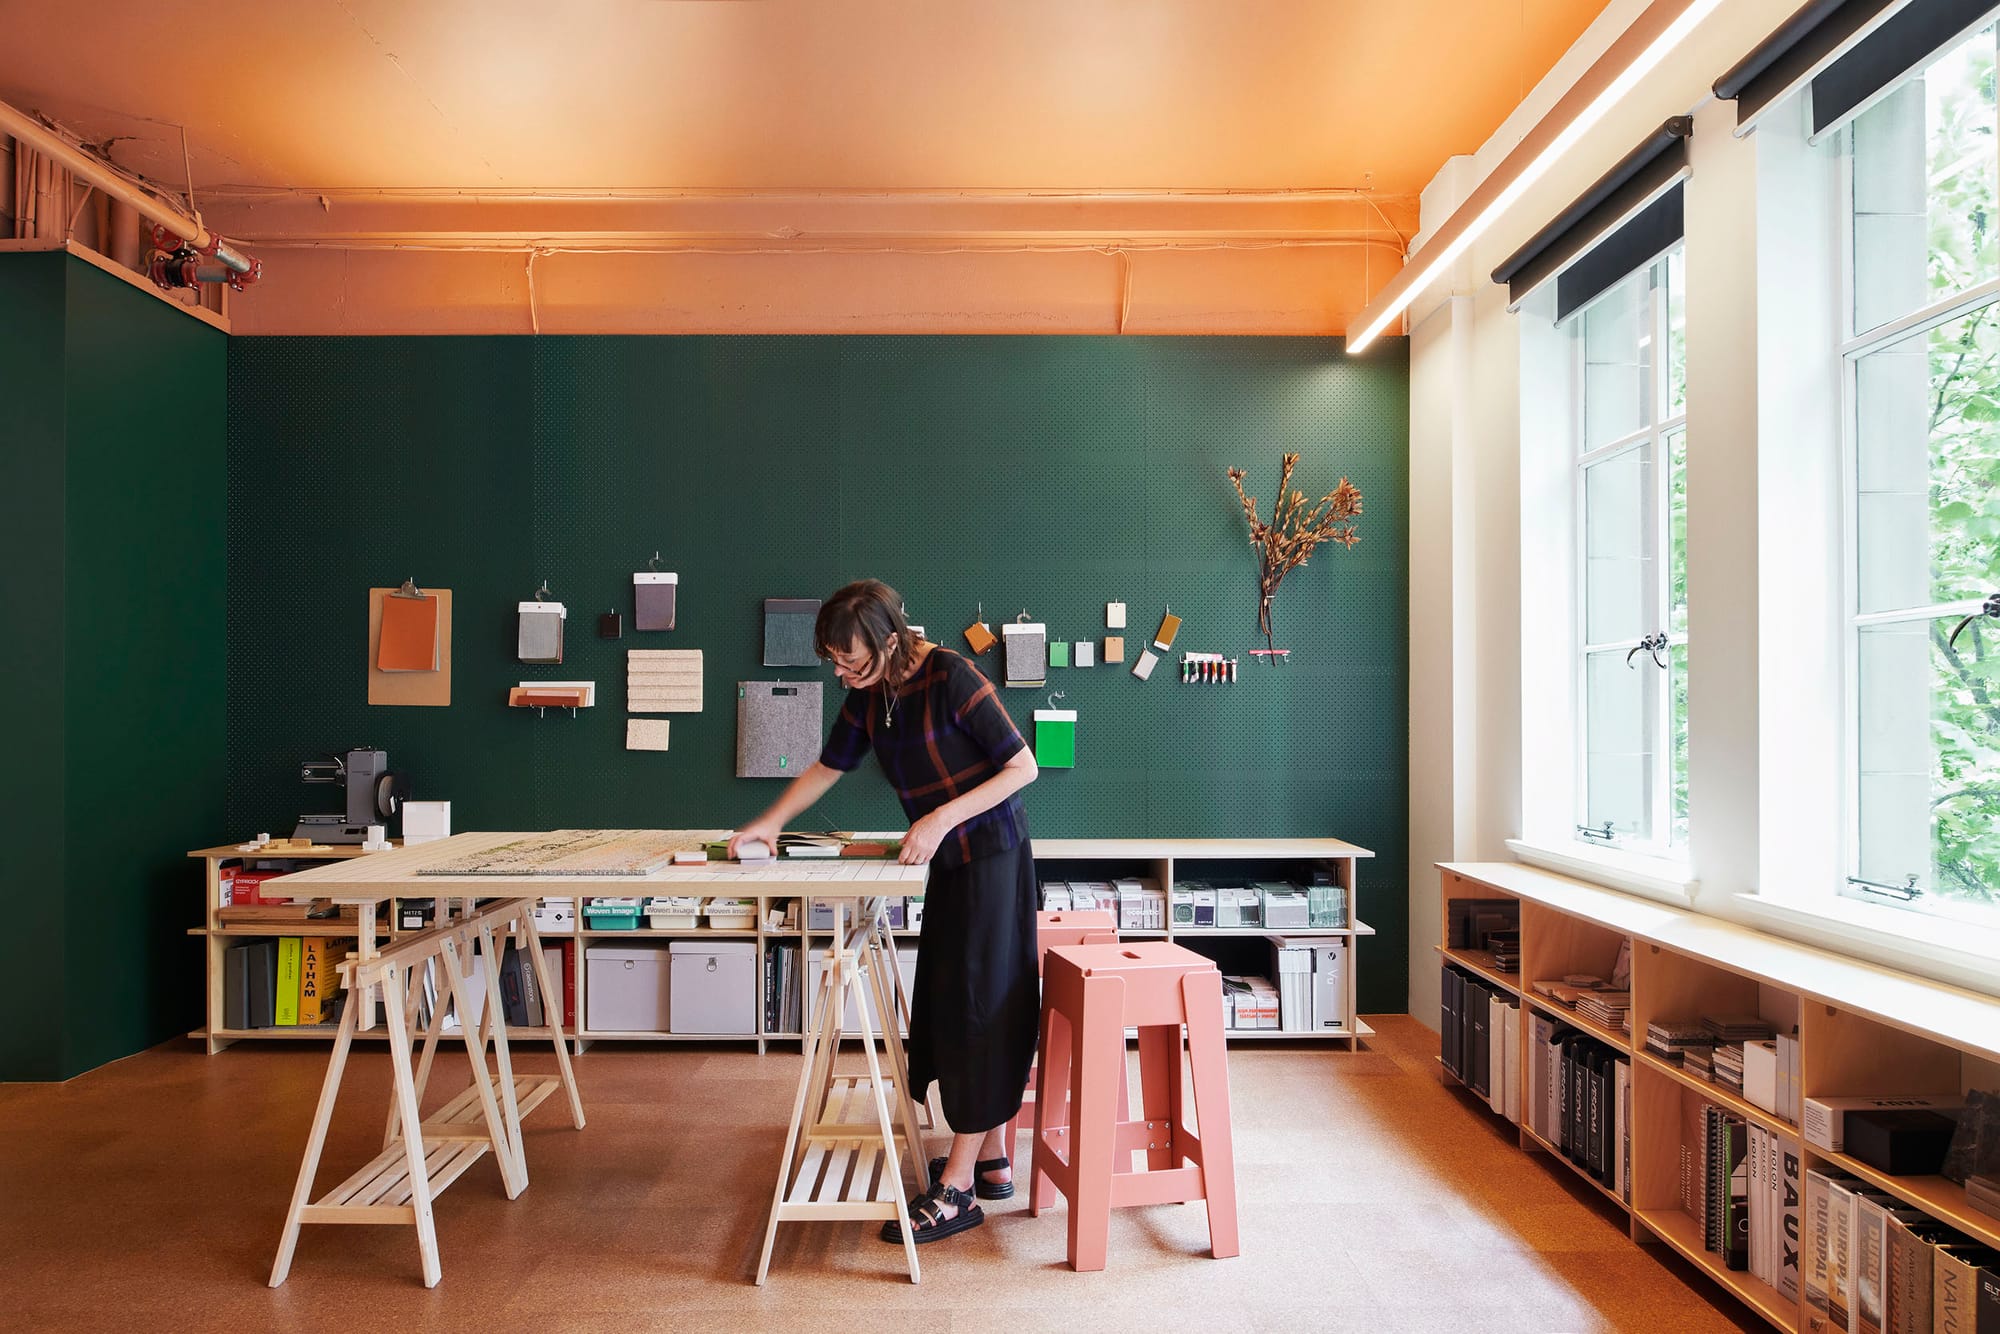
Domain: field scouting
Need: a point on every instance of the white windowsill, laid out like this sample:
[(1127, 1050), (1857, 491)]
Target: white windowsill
[(1894, 936), (1654, 878)]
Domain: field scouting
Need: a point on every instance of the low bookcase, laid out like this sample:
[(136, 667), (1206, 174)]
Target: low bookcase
[(1162, 859), (1860, 1029)]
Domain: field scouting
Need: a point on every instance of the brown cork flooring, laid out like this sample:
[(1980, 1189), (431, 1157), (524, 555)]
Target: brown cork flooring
[(149, 1195)]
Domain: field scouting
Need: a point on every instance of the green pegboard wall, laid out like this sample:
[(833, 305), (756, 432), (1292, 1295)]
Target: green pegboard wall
[(1052, 474)]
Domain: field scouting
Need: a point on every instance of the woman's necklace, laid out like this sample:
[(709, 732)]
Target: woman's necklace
[(888, 705)]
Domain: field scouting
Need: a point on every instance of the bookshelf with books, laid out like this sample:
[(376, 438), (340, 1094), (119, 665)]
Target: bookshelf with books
[(1732, 1032), (783, 938)]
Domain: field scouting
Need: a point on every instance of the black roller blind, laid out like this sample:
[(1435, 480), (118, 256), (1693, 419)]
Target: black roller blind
[(1610, 229), (1903, 44), (1788, 57)]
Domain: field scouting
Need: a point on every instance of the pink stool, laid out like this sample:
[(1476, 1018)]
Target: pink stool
[(1090, 993), (1090, 926)]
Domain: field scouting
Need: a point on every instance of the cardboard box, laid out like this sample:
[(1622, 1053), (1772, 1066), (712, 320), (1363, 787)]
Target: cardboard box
[(713, 986), (627, 988), (425, 822)]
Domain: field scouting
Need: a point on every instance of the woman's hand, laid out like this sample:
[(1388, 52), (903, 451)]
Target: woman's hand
[(921, 843), (759, 831)]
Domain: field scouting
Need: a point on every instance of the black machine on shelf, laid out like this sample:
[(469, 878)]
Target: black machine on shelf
[(375, 795)]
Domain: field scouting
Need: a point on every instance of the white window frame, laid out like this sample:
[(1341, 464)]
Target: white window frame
[(1853, 347), (1662, 844)]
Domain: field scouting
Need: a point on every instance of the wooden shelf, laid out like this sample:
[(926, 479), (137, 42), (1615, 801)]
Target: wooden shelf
[(1941, 1199), (599, 1035), (661, 933), (1610, 1037), (1480, 962), (1575, 1168), (335, 930), (1679, 1231), (1715, 1093), (1202, 932)]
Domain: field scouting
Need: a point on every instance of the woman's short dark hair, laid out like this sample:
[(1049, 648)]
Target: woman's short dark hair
[(868, 611)]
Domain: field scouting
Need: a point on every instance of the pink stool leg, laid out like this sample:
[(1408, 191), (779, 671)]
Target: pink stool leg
[(1100, 1056), (1051, 1104), (1202, 994), (1160, 1085)]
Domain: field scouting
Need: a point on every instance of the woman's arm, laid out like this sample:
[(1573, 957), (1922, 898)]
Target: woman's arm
[(921, 843), (796, 799)]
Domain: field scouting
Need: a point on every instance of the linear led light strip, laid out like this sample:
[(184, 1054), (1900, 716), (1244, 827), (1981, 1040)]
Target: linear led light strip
[(1656, 32)]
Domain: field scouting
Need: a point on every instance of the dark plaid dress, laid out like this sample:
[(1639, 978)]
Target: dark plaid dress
[(975, 1005)]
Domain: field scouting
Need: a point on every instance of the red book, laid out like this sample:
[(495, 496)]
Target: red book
[(571, 1019)]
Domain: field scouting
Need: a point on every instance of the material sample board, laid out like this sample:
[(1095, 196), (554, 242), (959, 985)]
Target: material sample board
[(646, 733), (571, 852), (663, 680), (788, 632), (415, 688), (778, 731)]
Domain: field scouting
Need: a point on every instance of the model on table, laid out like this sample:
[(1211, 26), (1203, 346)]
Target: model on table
[(956, 761)]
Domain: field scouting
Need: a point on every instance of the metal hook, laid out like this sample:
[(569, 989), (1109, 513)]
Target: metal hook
[(1022, 619), (1056, 695), (542, 593), (1991, 607), (654, 563), (409, 589), (1651, 644)]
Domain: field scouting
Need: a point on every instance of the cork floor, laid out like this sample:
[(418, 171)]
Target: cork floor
[(149, 1194)]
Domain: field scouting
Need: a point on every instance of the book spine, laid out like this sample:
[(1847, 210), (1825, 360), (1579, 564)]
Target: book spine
[(1736, 1174), (1954, 1296), (285, 999), (311, 966), (1816, 1252), (1839, 1255), (1790, 1243)]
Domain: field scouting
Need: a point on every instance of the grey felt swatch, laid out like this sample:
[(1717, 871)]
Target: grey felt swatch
[(788, 632), (777, 728)]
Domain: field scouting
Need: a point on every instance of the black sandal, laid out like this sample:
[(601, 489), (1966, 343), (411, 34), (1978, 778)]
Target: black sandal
[(986, 1190), (927, 1220)]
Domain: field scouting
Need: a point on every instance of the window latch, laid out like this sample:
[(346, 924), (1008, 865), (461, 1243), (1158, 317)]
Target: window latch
[(1653, 644), (1595, 832), (1908, 891), (1991, 608)]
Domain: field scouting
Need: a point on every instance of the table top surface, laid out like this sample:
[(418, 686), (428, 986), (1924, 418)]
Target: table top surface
[(399, 873)]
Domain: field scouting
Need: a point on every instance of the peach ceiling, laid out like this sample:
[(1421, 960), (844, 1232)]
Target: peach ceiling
[(786, 94)]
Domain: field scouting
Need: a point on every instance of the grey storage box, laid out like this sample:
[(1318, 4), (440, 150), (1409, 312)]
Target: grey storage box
[(625, 988), (714, 986)]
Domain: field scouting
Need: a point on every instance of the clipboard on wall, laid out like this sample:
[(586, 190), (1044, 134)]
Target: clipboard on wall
[(418, 688)]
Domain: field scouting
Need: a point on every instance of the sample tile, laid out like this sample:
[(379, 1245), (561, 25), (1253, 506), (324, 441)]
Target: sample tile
[(978, 638), (430, 688), (1027, 654), (1059, 653), (1170, 625), (409, 639), (1055, 738), (778, 730), (788, 632), (541, 635), (1114, 616), (654, 596), (1114, 648), (1086, 652), (646, 733), (1147, 661), (663, 680)]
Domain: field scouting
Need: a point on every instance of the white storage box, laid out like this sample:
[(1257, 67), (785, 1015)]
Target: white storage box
[(731, 914), (677, 912), (714, 986), (556, 917), (625, 988)]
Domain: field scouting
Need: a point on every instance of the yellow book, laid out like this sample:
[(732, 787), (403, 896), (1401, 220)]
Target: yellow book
[(286, 997), (319, 980)]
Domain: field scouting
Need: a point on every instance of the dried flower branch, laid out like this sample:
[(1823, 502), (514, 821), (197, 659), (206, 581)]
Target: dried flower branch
[(1284, 544)]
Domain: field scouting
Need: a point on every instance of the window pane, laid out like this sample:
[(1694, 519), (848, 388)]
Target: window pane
[(1618, 547), (1927, 508), (1925, 182), (1617, 362), (1618, 743), (1929, 750), (1677, 366)]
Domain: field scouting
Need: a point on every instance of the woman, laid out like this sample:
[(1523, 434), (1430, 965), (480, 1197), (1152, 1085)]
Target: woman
[(956, 761)]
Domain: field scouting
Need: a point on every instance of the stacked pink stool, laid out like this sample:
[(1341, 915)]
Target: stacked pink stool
[(1090, 926), (1084, 1141)]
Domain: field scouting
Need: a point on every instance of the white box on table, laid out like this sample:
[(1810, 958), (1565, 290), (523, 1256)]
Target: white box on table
[(425, 822)]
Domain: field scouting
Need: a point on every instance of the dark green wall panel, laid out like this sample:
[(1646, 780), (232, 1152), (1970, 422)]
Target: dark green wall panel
[(1053, 474), (111, 499), (32, 472), (145, 649)]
